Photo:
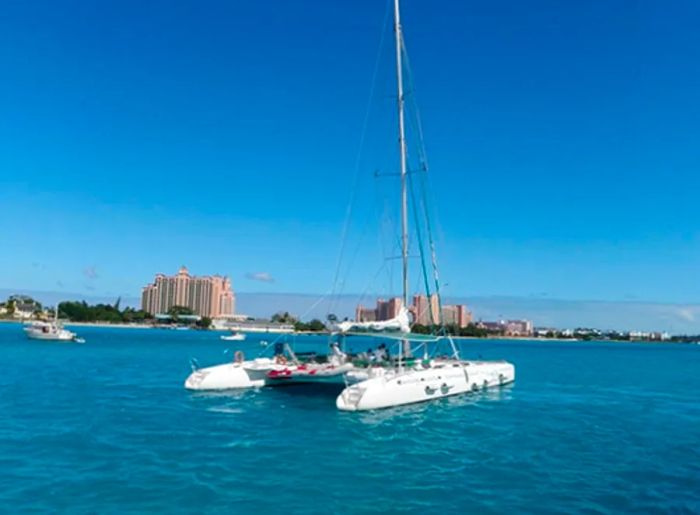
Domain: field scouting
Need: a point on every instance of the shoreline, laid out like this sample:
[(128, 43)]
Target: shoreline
[(82, 324), (107, 324), (313, 333)]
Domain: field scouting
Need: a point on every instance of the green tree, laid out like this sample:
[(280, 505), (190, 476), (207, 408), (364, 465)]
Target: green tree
[(474, 331), (314, 325), (176, 311), (82, 312), (420, 329), (204, 323), (134, 315), (283, 318)]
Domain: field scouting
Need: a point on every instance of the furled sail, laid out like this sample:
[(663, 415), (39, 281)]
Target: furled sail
[(400, 323)]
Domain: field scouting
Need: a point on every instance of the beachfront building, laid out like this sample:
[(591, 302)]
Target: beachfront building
[(508, 327), (207, 296), (426, 311), (518, 328), (363, 314), (457, 315), (384, 310), (649, 336)]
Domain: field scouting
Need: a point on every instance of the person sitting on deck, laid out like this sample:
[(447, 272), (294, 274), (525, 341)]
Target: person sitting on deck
[(385, 352), (380, 354), (337, 356), (279, 352)]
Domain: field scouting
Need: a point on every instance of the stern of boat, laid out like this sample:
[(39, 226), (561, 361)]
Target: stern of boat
[(349, 398), (222, 377)]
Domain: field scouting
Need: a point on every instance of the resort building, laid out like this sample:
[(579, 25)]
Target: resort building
[(426, 311), (385, 310), (456, 315), (508, 327), (363, 314), (518, 328), (206, 296)]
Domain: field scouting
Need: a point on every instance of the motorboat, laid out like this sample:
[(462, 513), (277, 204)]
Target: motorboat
[(51, 330), (233, 337)]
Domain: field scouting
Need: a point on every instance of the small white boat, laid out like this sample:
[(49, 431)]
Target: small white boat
[(233, 337), (51, 330)]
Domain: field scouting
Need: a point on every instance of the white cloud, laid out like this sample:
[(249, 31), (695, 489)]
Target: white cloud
[(264, 277)]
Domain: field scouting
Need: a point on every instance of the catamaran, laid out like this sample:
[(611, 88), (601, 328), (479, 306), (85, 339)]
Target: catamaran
[(372, 384), (409, 380)]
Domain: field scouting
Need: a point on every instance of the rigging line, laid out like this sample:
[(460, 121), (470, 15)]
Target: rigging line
[(371, 282), (364, 232), (363, 134), (339, 292), (419, 237), (389, 239), (422, 155), (313, 306)]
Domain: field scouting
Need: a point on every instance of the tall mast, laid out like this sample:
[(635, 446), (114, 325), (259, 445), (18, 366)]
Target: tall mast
[(406, 350), (402, 152)]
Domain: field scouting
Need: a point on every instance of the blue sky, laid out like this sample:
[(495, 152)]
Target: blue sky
[(562, 138)]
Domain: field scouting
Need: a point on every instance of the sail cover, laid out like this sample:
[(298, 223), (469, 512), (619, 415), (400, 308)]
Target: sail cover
[(400, 323)]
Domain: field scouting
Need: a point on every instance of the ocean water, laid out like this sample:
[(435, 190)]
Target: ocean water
[(106, 427)]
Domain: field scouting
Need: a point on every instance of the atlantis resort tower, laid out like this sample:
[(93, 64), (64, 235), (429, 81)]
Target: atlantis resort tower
[(207, 296)]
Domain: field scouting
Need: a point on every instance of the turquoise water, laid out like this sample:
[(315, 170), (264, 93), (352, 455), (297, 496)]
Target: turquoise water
[(106, 427)]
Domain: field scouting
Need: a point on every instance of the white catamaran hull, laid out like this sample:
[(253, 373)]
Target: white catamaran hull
[(246, 374), (420, 385)]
